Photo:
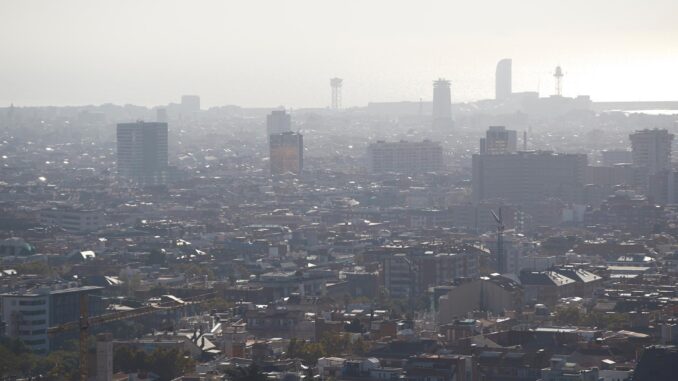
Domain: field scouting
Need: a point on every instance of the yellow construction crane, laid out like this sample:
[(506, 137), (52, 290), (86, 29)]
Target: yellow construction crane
[(83, 324)]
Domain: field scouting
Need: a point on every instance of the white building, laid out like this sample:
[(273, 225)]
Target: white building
[(27, 318), (29, 314), (74, 220), (404, 157)]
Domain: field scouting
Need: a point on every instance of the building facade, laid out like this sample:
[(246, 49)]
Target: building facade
[(527, 177), (29, 314), (277, 122), (503, 80), (651, 149), (74, 220), (190, 104), (498, 140), (404, 157), (286, 153), (142, 149), (442, 104)]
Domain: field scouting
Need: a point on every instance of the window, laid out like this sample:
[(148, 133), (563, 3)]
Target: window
[(37, 302), (33, 313), (35, 342)]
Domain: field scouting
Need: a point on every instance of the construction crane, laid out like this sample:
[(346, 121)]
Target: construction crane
[(501, 259), (83, 324)]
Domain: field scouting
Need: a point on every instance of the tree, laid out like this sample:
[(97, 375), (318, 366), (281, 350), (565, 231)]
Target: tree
[(37, 268), (250, 373), (309, 353), (568, 316), (157, 257), (354, 326), (359, 347), (16, 360), (219, 304), (166, 363), (123, 359), (169, 363), (328, 345), (63, 365)]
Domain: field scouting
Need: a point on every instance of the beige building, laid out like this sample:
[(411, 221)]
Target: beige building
[(286, 153), (404, 157), (495, 294)]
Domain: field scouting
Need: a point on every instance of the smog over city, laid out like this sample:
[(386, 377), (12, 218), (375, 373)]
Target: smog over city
[(308, 190)]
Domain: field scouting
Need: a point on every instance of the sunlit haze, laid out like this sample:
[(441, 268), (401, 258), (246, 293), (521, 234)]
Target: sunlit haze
[(269, 53)]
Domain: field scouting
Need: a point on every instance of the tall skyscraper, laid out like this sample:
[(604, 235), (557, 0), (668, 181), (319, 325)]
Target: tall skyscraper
[(503, 79), (442, 104), (142, 152), (651, 149), (498, 140), (278, 121), (405, 157), (527, 177), (286, 153)]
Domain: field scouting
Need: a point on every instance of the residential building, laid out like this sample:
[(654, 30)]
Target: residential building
[(399, 276), (495, 294), (286, 153), (561, 370), (498, 140), (277, 122), (74, 220), (142, 152), (527, 177), (404, 157), (609, 158), (29, 314), (545, 287), (651, 149)]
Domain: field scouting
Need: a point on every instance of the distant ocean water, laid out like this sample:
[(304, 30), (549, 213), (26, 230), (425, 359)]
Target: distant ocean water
[(651, 112)]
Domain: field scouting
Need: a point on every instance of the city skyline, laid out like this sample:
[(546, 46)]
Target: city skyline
[(323, 191), (229, 58)]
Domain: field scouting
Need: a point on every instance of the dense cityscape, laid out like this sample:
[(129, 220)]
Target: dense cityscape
[(262, 191), (339, 243)]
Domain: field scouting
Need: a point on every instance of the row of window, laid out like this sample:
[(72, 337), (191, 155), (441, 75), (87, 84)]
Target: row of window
[(37, 302), (35, 342), (33, 313), (36, 332), (35, 322)]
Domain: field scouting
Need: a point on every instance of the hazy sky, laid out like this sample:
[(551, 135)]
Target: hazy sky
[(283, 52)]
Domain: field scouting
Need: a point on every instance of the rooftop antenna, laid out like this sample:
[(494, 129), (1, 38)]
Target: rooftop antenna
[(558, 75), (501, 259)]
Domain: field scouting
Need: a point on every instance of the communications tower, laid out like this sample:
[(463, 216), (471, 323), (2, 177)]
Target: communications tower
[(336, 84), (558, 75)]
